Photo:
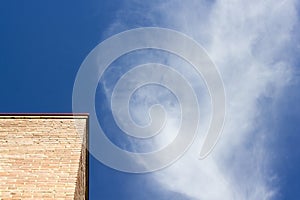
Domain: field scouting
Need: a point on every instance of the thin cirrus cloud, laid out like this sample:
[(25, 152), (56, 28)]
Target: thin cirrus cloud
[(248, 41)]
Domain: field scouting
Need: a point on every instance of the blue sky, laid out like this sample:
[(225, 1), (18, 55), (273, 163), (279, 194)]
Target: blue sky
[(256, 47)]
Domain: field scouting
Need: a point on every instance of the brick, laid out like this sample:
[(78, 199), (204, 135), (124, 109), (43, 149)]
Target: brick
[(43, 157)]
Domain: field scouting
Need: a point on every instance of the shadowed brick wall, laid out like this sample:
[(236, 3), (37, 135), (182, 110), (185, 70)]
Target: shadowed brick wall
[(43, 157)]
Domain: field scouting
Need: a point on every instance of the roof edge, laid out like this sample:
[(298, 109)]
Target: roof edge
[(44, 115)]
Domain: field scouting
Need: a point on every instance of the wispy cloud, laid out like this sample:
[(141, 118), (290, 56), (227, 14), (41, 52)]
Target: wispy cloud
[(248, 41)]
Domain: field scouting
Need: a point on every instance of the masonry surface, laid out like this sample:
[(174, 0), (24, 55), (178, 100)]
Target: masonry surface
[(43, 157)]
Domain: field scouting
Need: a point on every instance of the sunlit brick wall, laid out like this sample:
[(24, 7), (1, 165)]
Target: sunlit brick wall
[(42, 157)]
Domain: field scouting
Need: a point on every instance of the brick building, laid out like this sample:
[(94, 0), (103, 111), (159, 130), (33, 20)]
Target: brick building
[(43, 156)]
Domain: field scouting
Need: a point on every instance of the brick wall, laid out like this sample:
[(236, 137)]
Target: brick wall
[(43, 157)]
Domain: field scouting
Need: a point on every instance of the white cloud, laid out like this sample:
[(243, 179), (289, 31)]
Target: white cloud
[(247, 40)]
